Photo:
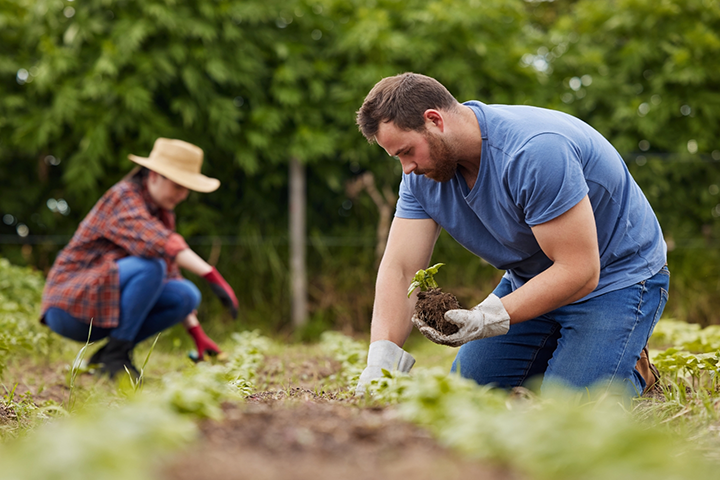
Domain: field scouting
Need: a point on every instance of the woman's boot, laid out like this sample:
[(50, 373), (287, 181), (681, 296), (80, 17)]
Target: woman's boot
[(116, 356)]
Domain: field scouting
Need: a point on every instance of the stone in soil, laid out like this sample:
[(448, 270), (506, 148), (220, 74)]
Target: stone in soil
[(431, 307)]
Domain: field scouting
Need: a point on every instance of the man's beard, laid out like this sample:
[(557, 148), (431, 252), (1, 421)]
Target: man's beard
[(443, 158)]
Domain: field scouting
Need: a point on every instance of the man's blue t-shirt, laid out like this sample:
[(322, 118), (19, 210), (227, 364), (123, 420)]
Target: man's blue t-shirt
[(535, 165)]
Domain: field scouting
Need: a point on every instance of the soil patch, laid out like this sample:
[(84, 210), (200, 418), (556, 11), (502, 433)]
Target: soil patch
[(301, 434), (41, 382), (7, 414), (297, 368), (431, 307)]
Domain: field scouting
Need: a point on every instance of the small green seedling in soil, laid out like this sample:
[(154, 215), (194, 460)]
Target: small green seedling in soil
[(425, 279), (432, 302)]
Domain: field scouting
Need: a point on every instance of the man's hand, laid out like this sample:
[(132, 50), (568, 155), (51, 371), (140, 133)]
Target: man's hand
[(488, 319), (203, 342), (223, 291), (383, 354)]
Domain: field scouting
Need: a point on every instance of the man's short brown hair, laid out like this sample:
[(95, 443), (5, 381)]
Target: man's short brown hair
[(402, 99)]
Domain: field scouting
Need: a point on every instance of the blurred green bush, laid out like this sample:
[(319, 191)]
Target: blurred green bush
[(20, 329), (256, 83)]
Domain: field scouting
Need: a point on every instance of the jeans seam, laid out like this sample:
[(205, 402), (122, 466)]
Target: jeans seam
[(660, 306), (627, 338), (537, 352)]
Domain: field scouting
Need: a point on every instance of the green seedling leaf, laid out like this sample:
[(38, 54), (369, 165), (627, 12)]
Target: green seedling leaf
[(424, 279)]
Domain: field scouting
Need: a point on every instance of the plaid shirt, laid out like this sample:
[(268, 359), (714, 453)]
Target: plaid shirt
[(84, 279)]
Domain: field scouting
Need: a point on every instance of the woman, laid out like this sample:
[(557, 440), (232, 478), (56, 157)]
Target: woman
[(119, 277)]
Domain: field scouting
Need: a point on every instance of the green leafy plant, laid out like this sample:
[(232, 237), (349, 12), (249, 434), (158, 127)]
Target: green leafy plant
[(351, 354), (20, 330), (492, 424), (425, 279)]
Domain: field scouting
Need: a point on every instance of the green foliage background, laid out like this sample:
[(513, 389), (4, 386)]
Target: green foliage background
[(256, 83), (20, 331)]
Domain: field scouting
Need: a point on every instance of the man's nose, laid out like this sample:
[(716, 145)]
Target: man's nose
[(408, 167)]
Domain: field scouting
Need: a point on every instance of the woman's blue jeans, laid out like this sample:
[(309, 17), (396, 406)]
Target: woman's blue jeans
[(578, 345), (148, 304)]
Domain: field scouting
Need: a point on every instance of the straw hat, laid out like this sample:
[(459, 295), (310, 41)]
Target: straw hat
[(180, 162)]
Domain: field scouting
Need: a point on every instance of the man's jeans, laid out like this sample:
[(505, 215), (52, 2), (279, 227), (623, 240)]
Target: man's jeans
[(578, 345), (148, 304)]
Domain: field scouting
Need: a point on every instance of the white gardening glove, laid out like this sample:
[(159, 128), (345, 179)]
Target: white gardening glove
[(488, 319), (383, 354)]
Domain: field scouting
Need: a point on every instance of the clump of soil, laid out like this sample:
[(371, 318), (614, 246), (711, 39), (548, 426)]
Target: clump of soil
[(431, 307), (7, 414)]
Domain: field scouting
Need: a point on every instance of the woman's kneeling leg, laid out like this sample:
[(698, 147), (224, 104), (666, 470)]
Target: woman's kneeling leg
[(178, 299)]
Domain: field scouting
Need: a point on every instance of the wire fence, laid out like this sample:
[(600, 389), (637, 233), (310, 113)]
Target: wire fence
[(315, 242), (347, 241)]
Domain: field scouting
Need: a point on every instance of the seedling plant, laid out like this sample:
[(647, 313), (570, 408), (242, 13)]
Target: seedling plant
[(432, 302)]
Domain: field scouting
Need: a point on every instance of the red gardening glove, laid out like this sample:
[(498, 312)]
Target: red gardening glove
[(223, 291), (203, 342)]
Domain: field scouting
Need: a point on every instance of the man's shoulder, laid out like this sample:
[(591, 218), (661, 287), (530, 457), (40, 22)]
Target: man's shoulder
[(513, 128)]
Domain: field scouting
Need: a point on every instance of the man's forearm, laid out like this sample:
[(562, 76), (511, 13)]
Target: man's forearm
[(395, 328), (392, 311), (570, 241), (557, 286), (409, 248)]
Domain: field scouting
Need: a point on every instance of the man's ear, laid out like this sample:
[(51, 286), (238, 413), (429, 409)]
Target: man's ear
[(434, 119)]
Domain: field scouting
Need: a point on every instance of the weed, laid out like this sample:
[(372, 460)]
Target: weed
[(76, 369), (136, 383)]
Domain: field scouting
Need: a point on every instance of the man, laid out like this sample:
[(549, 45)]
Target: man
[(119, 277), (539, 194)]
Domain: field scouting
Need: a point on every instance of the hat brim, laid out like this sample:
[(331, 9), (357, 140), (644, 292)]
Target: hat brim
[(196, 182)]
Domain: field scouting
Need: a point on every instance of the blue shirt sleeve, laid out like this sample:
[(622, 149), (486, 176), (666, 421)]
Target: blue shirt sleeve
[(407, 204), (545, 179)]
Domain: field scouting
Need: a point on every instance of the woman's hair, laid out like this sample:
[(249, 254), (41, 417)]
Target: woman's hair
[(138, 175), (402, 99)]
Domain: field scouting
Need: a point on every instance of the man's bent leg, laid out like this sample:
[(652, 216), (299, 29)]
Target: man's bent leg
[(601, 338), (509, 360)]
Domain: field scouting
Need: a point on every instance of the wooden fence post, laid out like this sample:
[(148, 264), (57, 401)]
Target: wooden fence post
[(298, 242)]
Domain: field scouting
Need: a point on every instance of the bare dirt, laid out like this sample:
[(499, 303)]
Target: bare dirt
[(301, 434), (299, 425), (39, 383), (298, 428), (431, 307)]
